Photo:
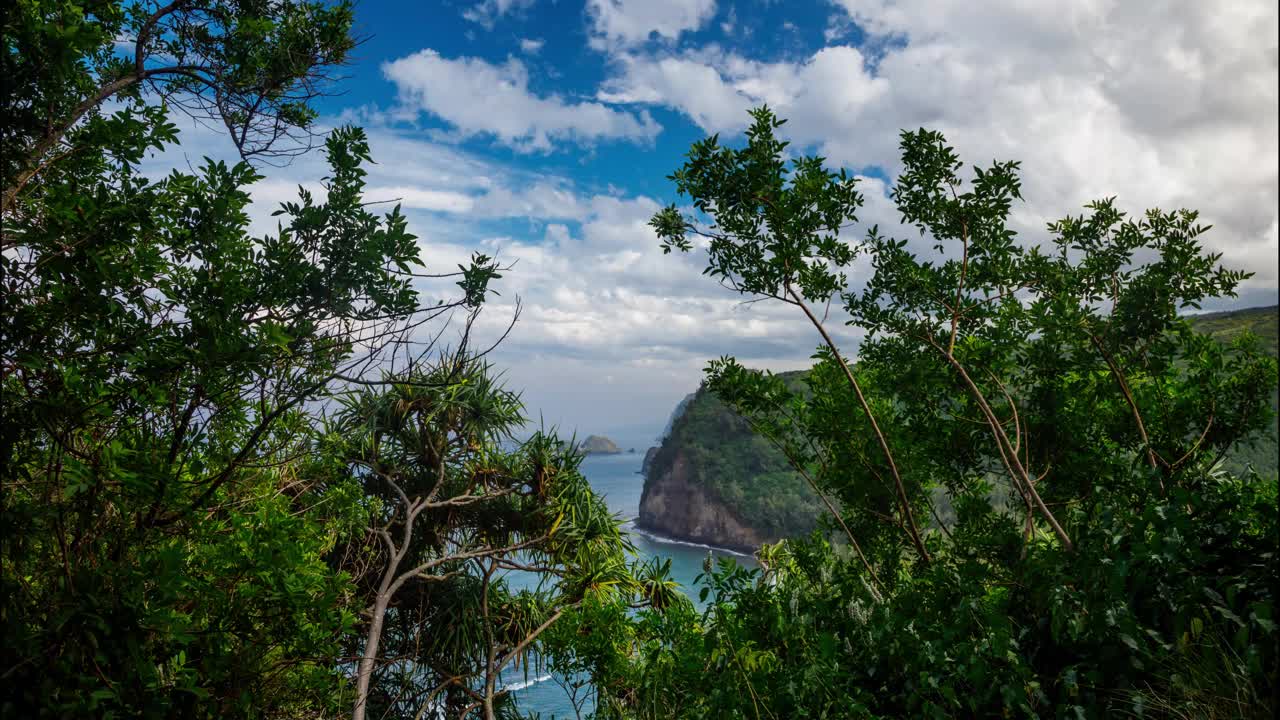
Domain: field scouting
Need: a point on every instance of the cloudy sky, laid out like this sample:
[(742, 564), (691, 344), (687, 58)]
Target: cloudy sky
[(542, 131)]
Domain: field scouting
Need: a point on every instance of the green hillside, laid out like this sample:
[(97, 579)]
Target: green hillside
[(755, 481), (749, 476), (1260, 452), (1227, 326)]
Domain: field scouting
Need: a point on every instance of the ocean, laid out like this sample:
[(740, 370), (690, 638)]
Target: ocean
[(618, 479)]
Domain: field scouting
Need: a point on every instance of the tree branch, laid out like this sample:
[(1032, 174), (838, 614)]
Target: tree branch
[(912, 530)]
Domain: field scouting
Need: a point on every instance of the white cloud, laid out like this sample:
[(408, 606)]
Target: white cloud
[(595, 286), (480, 98), (1161, 104), (487, 12), (124, 45), (423, 199), (695, 88), (1096, 99), (730, 22), (599, 300), (716, 89), (539, 198), (619, 23), (531, 46)]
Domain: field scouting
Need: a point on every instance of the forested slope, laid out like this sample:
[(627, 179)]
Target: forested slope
[(715, 480), (1262, 452)]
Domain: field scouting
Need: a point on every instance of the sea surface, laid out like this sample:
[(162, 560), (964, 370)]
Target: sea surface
[(618, 479)]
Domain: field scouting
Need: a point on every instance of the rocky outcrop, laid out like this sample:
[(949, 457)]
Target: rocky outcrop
[(674, 506), (714, 481), (649, 455), (598, 445)]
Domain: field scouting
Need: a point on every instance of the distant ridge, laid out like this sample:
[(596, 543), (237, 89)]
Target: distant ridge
[(1226, 325)]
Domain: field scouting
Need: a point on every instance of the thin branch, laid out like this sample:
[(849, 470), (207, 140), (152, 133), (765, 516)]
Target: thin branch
[(908, 516), (1152, 456)]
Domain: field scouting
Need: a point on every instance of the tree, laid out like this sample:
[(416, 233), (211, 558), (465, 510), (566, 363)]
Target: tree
[(167, 545), (252, 67), (1089, 556), (778, 240), (452, 515)]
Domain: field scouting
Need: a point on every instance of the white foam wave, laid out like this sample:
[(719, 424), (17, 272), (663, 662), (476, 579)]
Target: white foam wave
[(517, 686), (673, 541)]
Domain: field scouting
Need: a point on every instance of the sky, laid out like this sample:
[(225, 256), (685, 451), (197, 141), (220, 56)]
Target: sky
[(542, 132)]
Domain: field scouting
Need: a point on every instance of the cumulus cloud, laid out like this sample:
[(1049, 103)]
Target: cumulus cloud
[(1159, 105), (621, 23), (531, 46), (611, 331), (716, 89), (601, 301), (1163, 105), (594, 285), (481, 98)]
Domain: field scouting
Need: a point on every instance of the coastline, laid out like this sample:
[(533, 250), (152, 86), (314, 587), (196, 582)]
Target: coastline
[(654, 536)]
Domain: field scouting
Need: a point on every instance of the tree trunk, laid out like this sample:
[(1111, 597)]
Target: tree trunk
[(491, 653), (365, 672)]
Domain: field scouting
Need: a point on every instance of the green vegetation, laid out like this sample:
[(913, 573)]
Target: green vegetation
[(1261, 450), (753, 478), (739, 467), (1225, 327), (1128, 573), (453, 514), (237, 482), (211, 507)]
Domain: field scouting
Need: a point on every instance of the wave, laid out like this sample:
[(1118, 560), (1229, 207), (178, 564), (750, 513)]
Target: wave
[(673, 541), (517, 686)]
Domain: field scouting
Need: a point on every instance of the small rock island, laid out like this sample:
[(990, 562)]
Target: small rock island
[(598, 445)]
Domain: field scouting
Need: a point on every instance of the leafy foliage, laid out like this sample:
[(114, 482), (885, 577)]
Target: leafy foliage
[(754, 479), (183, 535), (1261, 451), (158, 363), (252, 67), (1099, 559), (451, 514), (738, 466), (214, 507)]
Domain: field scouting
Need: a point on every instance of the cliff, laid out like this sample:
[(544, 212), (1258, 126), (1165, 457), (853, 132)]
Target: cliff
[(676, 506), (649, 455), (714, 481)]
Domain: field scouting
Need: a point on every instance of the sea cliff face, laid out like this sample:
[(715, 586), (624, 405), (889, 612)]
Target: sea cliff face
[(649, 455), (714, 481), (674, 506)]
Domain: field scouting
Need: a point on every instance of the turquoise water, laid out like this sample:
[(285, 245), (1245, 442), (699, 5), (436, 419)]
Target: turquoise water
[(618, 479)]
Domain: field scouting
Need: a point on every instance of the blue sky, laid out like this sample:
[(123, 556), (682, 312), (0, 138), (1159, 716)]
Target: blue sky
[(542, 131), (552, 40)]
